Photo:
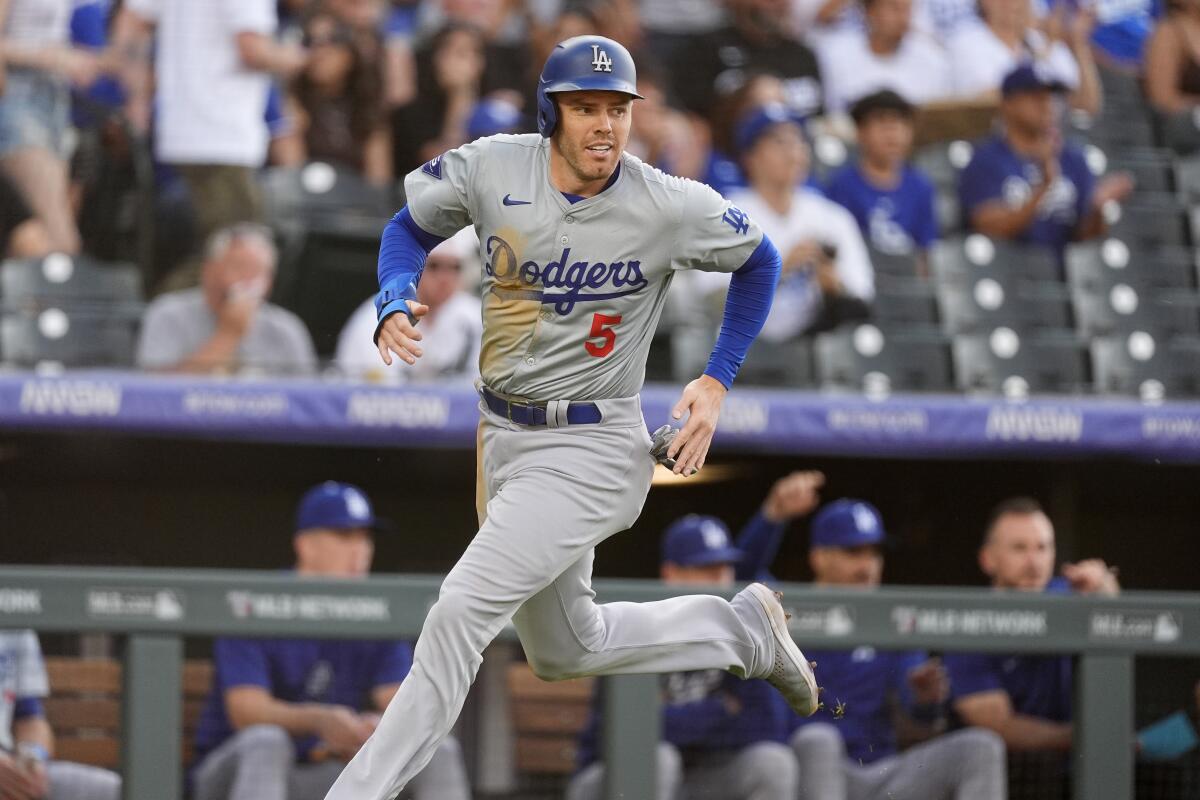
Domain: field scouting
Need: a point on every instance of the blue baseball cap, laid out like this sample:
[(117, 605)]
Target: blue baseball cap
[(756, 122), (336, 505), (847, 523), (698, 541), (1031, 76), (492, 115)]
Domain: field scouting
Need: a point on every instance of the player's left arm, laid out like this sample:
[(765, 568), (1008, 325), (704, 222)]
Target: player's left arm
[(751, 289)]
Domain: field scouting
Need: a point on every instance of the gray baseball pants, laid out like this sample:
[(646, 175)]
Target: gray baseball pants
[(761, 771), (259, 763), (965, 765), (71, 781), (552, 494)]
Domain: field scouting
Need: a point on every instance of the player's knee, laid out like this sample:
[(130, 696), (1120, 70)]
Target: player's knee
[(819, 739), (775, 769), (265, 743), (979, 749), (551, 666)]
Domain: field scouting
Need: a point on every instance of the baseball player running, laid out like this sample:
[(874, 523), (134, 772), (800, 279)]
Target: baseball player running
[(579, 241)]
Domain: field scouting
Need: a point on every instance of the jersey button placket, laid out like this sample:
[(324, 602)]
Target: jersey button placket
[(563, 239)]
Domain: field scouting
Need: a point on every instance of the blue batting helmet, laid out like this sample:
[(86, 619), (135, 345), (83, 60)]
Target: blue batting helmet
[(580, 64)]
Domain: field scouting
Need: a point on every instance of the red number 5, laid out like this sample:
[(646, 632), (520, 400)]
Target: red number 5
[(601, 329)]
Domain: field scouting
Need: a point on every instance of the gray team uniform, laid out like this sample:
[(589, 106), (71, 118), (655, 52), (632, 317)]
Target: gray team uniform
[(23, 676), (558, 277)]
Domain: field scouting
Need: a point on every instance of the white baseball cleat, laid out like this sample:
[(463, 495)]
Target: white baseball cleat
[(792, 674)]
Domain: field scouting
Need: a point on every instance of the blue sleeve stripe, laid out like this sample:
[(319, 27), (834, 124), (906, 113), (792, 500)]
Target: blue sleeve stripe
[(26, 707), (402, 252), (751, 289)]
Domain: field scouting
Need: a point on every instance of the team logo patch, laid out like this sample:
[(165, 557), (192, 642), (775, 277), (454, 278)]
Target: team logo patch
[(433, 167), (737, 219), (600, 60)]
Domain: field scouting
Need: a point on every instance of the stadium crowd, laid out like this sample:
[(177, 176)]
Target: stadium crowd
[(140, 130)]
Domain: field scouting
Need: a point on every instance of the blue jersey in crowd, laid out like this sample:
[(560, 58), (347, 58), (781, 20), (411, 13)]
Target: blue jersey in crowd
[(898, 220), (998, 173), (332, 671), (1039, 686), (698, 717)]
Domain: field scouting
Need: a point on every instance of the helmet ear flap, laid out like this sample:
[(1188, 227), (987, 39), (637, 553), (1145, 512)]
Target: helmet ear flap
[(547, 117)]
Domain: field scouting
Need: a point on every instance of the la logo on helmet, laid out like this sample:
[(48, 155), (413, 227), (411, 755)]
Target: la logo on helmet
[(600, 60)]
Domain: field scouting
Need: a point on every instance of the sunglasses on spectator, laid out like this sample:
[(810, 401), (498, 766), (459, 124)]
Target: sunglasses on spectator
[(436, 264)]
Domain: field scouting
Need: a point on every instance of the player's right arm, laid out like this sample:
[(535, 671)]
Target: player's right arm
[(994, 710), (440, 197)]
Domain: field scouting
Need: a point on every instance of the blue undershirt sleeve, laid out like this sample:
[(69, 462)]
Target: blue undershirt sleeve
[(402, 253), (759, 542), (751, 288)]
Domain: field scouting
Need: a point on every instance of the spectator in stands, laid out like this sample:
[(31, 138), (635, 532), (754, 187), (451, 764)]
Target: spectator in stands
[(1025, 183), (338, 98), (22, 235), (721, 735), (226, 325), (755, 41), (26, 740), (983, 53), (450, 74), (1026, 699), (876, 701), (285, 715), (451, 330), (827, 277), (1172, 74), (213, 68), (893, 202), (888, 54), (722, 171), (1123, 27), (505, 29), (38, 66)]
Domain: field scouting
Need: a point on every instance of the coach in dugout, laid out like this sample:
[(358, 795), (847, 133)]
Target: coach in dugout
[(722, 737), (1026, 699), (285, 715), (873, 700)]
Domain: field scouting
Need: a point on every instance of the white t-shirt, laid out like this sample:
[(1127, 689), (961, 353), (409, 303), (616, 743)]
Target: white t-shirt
[(451, 345), (918, 71), (22, 676), (38, 22), (797, 301), (979, 60), (210, 106)]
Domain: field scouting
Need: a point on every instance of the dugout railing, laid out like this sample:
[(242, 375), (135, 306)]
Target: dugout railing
[(156, 609)]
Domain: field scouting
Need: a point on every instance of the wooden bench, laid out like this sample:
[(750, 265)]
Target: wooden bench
[(84, 708), (547, 720)]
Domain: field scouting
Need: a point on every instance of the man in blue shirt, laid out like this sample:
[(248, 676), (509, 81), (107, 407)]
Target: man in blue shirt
[(849, 749), (1025, 183), (893, 202), (1026, 699), (285, 715), (722, 737)]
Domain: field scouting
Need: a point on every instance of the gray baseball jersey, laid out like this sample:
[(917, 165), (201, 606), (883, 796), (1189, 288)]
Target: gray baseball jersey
[(572, 292)]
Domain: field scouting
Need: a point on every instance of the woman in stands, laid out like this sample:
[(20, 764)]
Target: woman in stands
[(338, 101), (1173, 72)]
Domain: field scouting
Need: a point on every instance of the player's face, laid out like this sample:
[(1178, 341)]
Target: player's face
[(593, 128), (847, 566), (335, 553), (1019, 553), (707, 575), (886, 137)]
